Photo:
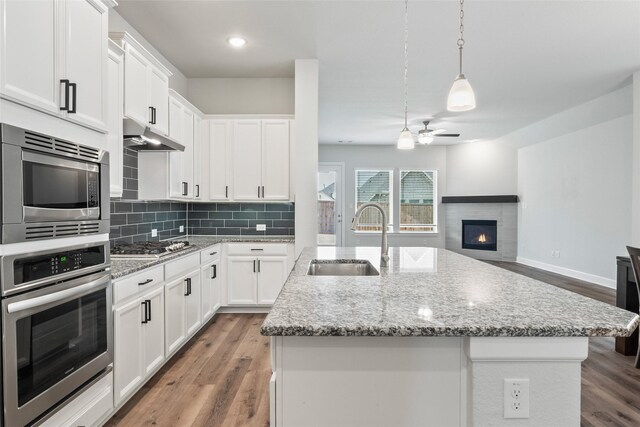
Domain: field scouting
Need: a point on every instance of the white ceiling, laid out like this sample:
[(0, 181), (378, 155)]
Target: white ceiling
[(525, 59)]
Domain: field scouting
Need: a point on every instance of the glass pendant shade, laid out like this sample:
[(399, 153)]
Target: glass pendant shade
[(405, 141), (425, 139), (461, 96)]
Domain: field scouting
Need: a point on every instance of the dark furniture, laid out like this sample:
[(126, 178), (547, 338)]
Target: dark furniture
[(627, 298)]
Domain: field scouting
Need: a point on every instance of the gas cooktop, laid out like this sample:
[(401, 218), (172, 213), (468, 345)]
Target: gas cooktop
[(148, 249)]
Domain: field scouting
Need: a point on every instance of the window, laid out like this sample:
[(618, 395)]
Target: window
[(374, 186), (417, 193), (415, 207)]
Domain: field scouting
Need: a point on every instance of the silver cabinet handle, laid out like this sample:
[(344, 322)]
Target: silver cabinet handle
[(258, 191), (197, 190), (263, 191), (57, 296), (185, 188)]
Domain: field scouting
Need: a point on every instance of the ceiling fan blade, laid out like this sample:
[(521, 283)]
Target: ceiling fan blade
[(434, 132), (449, 135)]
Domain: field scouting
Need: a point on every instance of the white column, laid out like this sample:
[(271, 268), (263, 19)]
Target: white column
[(305, 164), (635, 199)]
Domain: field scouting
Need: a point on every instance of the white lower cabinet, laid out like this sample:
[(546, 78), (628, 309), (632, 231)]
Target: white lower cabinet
[(182, 315), (90, 408), (272, 273), (209, 276), (255, 280), (139, 341)]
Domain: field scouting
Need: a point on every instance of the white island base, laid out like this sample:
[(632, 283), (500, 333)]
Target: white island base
[(423, 381)]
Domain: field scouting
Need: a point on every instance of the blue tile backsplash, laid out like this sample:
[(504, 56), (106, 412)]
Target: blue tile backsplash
[(240, 219)]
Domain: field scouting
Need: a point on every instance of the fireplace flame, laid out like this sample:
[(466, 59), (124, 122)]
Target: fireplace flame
[(482, 238)]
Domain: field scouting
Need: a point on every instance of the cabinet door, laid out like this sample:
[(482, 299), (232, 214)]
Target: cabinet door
[(174, 315), (86, 41), (193, 303), (177, 185), (206, 278), (187, 156), (115, 93), (247, 161), (154, 331), (198, 188), (220, 134), (159, 98), (127, 363), (135, 86), (272, 274), (275, 159), (29, 54), (242, 280)]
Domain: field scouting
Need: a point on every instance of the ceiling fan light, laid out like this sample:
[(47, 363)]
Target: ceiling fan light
[(461, 96), (405, 140), (425, 139)]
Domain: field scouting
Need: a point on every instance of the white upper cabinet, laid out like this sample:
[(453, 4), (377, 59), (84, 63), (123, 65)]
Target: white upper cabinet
[(247, 160), (146, 98), (85, 65), (53, 57), (29, 54), (135, 86), (159, 99), (275, 159), (115, 67), (220, 137), (198, 187), (261, 156)]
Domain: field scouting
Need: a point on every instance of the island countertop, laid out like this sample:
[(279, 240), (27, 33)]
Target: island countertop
[(433, 292)]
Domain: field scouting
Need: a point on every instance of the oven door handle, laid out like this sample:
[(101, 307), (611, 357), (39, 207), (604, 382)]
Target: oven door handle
[(31, 303)]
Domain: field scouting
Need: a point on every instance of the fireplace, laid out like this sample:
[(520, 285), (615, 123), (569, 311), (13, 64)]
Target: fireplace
[(480, 235)]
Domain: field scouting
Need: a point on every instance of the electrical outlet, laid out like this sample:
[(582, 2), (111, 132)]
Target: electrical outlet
[(182, 228), (154, 232), (516, 398), (261, 227)]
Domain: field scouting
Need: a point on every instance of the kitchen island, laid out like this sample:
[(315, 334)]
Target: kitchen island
[(431, 340)]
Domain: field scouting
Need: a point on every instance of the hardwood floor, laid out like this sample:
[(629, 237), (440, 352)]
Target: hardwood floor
[(221, 377)]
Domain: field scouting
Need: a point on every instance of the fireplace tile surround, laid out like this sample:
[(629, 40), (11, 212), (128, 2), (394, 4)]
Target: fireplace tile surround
[(502, 209)]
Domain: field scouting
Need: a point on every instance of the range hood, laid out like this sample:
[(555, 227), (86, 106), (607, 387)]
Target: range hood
[(141, 137)]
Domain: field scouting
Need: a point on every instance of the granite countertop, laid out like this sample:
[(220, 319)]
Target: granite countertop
[(121, 267), (433, 292)]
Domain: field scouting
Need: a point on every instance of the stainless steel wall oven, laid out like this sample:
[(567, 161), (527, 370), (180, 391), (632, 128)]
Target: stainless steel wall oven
[(56, 327), (51, 188)]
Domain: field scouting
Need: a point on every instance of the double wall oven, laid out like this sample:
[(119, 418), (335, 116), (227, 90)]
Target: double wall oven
[(54, 271)]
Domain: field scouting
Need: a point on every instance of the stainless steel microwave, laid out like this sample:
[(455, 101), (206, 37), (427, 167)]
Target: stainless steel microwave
[(51, 188)]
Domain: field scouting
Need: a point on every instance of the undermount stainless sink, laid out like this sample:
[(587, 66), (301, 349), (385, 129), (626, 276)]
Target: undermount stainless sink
[(345, 267)]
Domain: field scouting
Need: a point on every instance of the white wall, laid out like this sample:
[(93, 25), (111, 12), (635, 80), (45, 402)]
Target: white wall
[(481, 168), (575, 198), (243, 95), (386, 157), (305, 165), (178, 81), (635, 226)]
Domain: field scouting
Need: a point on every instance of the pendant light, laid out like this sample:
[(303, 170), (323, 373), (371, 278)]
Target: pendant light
[(406, 141), (461, 96)]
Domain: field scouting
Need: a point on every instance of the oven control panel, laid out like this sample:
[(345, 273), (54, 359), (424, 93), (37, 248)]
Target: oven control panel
[(43, 266)]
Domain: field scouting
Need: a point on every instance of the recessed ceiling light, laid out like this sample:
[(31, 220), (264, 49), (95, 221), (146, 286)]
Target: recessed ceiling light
[(237, 42)]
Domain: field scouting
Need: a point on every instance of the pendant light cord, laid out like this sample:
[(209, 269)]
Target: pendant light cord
[(406, 60), (461, 38)]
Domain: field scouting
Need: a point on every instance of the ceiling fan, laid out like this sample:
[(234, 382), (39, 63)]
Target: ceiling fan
[(426, 135)]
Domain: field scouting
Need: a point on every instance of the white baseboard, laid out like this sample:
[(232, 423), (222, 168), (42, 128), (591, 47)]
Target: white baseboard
[(592, 278)]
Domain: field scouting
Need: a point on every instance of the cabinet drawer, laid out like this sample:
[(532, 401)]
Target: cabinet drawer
[(256, 249), (87, 409), (181, 266), (210, 254), (137, 283)]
